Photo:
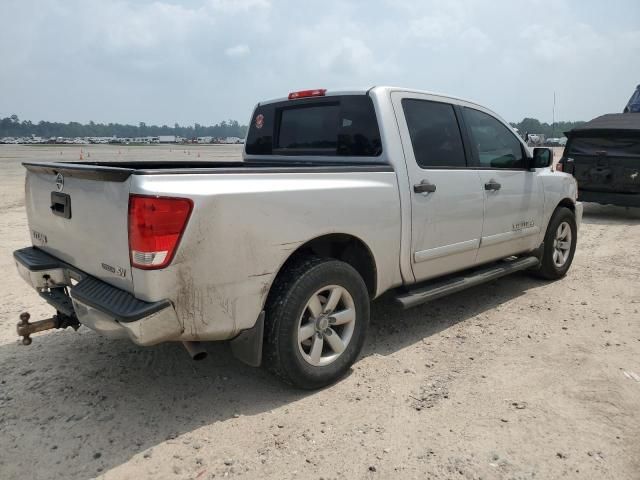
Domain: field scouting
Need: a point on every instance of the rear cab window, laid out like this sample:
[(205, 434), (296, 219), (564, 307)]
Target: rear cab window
[(332, 126)]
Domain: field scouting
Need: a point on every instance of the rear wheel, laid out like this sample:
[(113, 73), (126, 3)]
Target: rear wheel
[(559, 245), (316, 321)]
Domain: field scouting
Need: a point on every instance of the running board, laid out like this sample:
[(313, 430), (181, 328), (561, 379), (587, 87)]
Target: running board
[(433, 290)]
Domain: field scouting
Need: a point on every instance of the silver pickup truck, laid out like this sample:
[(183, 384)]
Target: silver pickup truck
[(341, 196)]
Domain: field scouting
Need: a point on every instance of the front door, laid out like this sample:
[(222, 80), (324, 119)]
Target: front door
[(513, 195), (447, 196)]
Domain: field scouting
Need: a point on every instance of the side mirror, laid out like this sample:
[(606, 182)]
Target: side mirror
[(542, 157)]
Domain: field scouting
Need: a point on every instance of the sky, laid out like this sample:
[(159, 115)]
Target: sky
[(204, 61)]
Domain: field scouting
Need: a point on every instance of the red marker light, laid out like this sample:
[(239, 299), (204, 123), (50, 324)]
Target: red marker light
[(318, 92)]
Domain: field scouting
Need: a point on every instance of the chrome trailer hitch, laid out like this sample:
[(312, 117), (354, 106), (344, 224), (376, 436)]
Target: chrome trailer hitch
[(60, 320)]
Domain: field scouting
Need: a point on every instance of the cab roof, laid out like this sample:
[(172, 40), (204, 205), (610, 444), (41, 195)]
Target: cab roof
[(611, 123), (377, 90)]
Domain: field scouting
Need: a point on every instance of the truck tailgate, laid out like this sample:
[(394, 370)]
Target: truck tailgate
[(605, 173), (606, 163), (79, 215)]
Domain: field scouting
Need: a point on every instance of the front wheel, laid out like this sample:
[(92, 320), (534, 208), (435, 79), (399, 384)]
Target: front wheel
[(559, 245), (316, 322)]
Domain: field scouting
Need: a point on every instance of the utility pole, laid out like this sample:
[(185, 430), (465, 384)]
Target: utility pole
[(553, 121)]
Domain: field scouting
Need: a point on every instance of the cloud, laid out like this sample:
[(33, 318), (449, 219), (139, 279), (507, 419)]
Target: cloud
[(337, 51), (434, 27), (439, 32), (237, 51), (235, 6), (162, 61)]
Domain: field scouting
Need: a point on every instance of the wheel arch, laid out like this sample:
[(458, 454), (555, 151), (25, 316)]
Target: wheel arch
[(339, 246), (568, 203), (565, 202)]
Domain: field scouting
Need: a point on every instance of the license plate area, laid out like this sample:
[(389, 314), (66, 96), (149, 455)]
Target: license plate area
[(61, 204)]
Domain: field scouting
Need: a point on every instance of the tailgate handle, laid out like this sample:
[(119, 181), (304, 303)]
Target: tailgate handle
[(61, 204)]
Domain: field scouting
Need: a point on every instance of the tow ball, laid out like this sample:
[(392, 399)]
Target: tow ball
[(25, 329)]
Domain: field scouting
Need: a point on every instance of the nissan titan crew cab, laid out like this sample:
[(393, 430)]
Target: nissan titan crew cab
[(340, 197)]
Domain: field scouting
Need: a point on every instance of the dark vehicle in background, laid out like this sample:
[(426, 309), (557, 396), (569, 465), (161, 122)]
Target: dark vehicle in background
[(604, 157), (634, 102)]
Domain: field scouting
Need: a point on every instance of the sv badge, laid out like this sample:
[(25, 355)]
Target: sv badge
[(119, 271)]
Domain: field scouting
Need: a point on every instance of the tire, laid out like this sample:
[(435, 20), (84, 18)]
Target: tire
[(289, 318), (552, 266)]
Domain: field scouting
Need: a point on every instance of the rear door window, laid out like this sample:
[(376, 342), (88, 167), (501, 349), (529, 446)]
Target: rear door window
[(327, 126), (435, 134), (494, 144)]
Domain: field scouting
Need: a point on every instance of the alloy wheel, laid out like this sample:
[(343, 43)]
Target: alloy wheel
[(562, 245), (326, 325)]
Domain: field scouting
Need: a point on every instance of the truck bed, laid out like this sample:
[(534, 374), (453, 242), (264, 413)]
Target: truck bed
[(78, 211)]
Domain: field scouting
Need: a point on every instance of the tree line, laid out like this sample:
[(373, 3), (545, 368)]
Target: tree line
[(555, 130), (13, 127)]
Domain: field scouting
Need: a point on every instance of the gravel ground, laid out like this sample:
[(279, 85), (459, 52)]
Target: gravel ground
[(516, 379)]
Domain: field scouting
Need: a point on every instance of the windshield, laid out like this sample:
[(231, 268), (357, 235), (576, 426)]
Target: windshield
[(634, 102)]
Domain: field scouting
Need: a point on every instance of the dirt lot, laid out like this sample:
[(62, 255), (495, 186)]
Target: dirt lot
[(517, 379)]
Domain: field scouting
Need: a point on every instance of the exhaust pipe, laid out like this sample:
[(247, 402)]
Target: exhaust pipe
[(196, 350)]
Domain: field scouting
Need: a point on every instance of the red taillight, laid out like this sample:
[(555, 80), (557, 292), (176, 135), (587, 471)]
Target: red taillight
[(558, 167), (318, 92), (155, 227)]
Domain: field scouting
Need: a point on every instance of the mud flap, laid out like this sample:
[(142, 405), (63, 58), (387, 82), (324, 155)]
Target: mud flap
[(247, 346), (538, 253)]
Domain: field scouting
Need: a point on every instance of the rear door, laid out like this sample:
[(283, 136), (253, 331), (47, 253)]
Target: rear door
[(447, 198), (513, 195), (79, 215), (605, 162)]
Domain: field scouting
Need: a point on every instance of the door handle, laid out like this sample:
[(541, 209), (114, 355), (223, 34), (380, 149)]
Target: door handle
[(424, 187), (492, 185)]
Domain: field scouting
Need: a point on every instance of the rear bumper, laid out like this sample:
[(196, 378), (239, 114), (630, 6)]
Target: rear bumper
[(98, 305), (610, 198)]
